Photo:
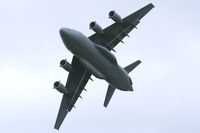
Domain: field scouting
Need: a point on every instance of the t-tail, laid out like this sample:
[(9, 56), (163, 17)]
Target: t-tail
[(111, 89)]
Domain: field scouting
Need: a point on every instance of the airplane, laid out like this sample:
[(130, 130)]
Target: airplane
[(92, 56)]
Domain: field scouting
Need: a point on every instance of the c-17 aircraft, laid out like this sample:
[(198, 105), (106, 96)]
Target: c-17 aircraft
[(92, 56)]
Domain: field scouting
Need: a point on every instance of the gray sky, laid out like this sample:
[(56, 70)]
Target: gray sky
[(166, 97)]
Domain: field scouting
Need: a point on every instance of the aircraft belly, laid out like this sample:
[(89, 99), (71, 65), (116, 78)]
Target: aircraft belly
[(101, 63), (100, 66), (93, 70)]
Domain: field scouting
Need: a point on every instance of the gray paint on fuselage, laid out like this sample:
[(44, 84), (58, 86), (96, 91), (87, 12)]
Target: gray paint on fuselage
[(85, 49), (91, 68)]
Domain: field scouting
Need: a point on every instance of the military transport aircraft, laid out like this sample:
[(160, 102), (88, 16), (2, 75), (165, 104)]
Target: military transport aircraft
[(92, 56)]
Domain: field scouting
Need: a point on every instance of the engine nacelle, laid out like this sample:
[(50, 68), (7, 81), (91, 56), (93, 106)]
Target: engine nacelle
[(115, 17), (60, 87), (96, 28), (66, 65)]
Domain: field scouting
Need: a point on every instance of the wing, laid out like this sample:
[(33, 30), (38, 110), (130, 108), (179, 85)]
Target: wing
[(116, 32), (75, 84)]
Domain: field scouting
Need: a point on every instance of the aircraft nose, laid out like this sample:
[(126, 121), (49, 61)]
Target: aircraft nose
[(66, 36), (64, 32)]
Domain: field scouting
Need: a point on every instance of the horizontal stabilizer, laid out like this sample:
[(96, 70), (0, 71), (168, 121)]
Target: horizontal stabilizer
[(130, 67), (109, 94)]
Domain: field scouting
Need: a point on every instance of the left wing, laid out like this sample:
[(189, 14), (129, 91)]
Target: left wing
[(115, 33), (76, 82)]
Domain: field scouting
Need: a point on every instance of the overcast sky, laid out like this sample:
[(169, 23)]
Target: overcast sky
[(166, 85)]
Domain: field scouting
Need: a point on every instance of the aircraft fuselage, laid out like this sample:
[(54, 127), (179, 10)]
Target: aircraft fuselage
[(96, 59)]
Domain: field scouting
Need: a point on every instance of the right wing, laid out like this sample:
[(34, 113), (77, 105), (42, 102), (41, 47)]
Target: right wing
[(76, 82), (115, 33)]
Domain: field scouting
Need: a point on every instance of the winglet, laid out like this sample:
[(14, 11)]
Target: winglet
[(109, 94)]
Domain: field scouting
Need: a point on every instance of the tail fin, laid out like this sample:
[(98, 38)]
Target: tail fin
[(130, 67), (109, 94), (111, 89)]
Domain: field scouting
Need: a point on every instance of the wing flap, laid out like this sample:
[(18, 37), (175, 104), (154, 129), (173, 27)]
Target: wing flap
[(79, 90)]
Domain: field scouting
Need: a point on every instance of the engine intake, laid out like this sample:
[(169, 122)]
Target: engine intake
[(96, 28), (60, 87), (66, 65), (115, 17)]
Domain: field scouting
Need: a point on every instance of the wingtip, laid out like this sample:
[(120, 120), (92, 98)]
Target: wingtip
[(57, 128), (151, 5), (139, 61), (105, 105)]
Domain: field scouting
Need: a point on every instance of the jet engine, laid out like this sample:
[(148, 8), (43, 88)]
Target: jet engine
[(115, 17), (60, 87), (96, 28), (66, 65)]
